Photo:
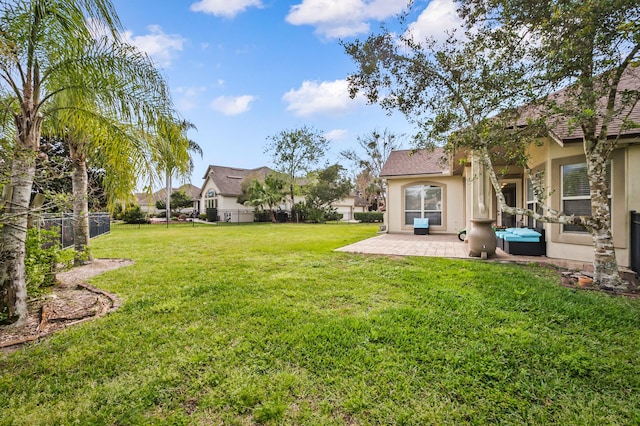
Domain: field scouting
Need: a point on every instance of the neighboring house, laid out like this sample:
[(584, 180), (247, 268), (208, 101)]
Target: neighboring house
[(221, 188), (426, 184), (147, 202), (350, 205)]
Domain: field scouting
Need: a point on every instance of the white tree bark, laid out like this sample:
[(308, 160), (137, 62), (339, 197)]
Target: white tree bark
[(13, 288)]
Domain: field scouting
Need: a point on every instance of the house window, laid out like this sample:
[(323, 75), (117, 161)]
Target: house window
[(210, 201), (575, 195), (423, 201)]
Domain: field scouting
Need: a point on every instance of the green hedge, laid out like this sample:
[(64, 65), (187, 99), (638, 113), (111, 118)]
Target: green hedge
[(368, 217)]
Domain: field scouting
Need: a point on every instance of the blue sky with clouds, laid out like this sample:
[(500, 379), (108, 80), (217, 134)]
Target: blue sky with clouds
[(243, 70)]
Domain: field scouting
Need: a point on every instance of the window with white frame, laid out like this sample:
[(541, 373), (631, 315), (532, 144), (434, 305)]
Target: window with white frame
[(210, 201), (423, 201), (575, 195)]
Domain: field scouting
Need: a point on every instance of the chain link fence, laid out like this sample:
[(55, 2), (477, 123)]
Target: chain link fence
[(99, 223)]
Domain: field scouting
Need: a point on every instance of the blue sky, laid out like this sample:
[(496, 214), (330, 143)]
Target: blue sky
[(244, 70)]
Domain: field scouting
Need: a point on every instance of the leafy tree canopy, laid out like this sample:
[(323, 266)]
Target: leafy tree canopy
[(295, 152)]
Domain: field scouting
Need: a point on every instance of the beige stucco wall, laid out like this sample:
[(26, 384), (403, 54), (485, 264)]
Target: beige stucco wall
[(453, 219), (626, 197), (633, 177), (235, 212)]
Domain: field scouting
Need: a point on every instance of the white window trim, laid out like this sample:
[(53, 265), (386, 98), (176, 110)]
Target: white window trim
[(564, 198), (422, 211)]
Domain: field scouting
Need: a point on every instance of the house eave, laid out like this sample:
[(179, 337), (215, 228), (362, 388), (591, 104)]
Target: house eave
[(416, 175)]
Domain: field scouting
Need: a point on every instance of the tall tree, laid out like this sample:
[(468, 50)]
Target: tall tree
[(296, 152), (44, 53), (327, 186), (173, 153), (95, 134), (375, 148)]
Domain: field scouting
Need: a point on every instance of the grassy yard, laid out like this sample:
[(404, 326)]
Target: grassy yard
[(266, 324)]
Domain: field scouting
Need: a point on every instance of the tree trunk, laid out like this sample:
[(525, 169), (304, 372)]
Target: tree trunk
[(293, 205), (13, 287), (79, 180), (168, 196), (605, 265)]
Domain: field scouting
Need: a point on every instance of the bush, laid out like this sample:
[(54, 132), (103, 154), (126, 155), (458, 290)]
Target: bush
[(333, 216), (43, 254), (134, 215), (369, 217), (262, 216)]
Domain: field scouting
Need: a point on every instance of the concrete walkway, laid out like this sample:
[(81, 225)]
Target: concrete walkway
[(450, 246)]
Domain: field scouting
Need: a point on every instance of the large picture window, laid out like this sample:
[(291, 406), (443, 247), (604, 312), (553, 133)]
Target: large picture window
[(423, 201), (576, 199)]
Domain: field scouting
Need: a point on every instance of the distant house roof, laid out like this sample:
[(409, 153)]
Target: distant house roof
[(144, 198), (423, 162), (229, 180), (563, 131)]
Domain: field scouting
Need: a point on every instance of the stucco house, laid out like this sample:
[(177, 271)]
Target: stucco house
[(450, 192), (221, 188)]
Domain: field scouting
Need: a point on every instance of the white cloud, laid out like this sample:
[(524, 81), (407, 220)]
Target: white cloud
[(327, 97), (187, 97), (161, 47), (434, 22), (342, 18), (229, 105), (226, 8), (336, 134)]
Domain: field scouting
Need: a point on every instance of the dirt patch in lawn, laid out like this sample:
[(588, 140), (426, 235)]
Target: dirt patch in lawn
[(71, 301)]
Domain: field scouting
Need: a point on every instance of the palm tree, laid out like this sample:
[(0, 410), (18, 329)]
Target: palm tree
[(44, 54), (269, 193), (172, 153), (104, 137)]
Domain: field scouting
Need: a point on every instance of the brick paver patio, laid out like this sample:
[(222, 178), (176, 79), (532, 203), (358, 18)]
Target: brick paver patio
[(435, 245)]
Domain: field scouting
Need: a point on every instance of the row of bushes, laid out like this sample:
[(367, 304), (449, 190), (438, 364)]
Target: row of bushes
[(368, 217), (134, 214)]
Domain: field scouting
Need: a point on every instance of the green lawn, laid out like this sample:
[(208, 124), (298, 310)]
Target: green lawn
[(267, 324)]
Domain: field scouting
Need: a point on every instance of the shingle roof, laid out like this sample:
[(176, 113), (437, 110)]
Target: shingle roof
[(144, 198), (229, 180), (408, 162), (562, 129)]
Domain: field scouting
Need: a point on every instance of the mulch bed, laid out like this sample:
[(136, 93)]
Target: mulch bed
[(71, 301)]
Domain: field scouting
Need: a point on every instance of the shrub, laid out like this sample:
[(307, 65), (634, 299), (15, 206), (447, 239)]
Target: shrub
[(134, 214), (262, 216), (333, 216), (368, 217), (43, 254)]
